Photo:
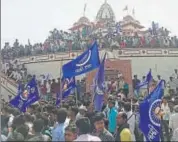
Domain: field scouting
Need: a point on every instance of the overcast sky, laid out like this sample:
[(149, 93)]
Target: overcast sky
[(33, 19)]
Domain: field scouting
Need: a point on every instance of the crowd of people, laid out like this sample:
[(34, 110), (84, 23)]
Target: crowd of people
[(15, 72), (170, 86), (60, 41), (118, 121), (76, 119)]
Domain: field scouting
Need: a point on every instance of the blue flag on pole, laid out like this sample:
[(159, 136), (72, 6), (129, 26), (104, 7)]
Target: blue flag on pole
[(26, 96), (86, 62), (150, 117), (68, 85), (146, 82), (99, 86)]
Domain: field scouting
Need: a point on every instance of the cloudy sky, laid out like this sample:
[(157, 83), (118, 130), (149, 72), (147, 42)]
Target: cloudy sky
[(33, 19)]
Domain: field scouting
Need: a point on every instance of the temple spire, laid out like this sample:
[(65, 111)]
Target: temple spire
[(133, 12), (85, 6), (105, 1)]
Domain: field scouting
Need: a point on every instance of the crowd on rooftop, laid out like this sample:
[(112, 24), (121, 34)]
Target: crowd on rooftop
[(60, 41)]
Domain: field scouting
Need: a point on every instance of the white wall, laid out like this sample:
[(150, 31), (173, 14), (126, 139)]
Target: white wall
[(5, 93), (52, 68), (163, 66)]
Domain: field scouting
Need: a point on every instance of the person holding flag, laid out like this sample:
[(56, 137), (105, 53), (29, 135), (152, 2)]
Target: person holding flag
[(150, 114), (87, 61), (67, 86), (143, 83), (26, 96)]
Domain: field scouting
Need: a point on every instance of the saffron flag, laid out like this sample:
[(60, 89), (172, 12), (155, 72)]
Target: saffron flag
[(86, 62), (99, 86), (26, 96), (68, 85), (150, 114)]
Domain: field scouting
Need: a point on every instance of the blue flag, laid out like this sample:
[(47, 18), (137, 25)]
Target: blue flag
[(86, 62), (68, 85), (150, 117), (99, 86), (26, 96), (146, 82)]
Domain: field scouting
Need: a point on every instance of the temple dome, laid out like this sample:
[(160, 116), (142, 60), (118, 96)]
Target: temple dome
[(105, 13), (83, 20), (128, 18)]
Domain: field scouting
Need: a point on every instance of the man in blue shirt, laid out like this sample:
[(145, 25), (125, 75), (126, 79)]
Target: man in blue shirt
[(59, 130), (112, 115)]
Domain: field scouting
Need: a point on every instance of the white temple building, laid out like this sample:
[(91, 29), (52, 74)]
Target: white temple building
[(106, 21)]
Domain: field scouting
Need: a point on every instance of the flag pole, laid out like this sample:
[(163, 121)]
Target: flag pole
[(76, 96), (127, 11), (61, 83), (148, 86)]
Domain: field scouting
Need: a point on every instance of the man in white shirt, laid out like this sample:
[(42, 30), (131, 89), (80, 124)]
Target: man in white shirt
[(13, 74), (163, 83), (175, 135), (48, 87), (131, 119), (83, 125), (175, 75), (173, 121), (23, 73), (5, 67), (166, 114), (176, 82), (82, 112), (143, 89), (18, 77), (172, 84), (42, 79), (3, 138)]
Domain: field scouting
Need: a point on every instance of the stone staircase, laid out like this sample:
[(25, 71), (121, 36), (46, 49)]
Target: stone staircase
[(8, 87)]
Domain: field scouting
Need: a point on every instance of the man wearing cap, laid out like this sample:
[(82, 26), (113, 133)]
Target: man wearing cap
[(82, 112), (100, 130), (173, 121), (83, 126)]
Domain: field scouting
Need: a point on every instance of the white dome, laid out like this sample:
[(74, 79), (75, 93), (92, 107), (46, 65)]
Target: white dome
[(105, 13), (83, 20)]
